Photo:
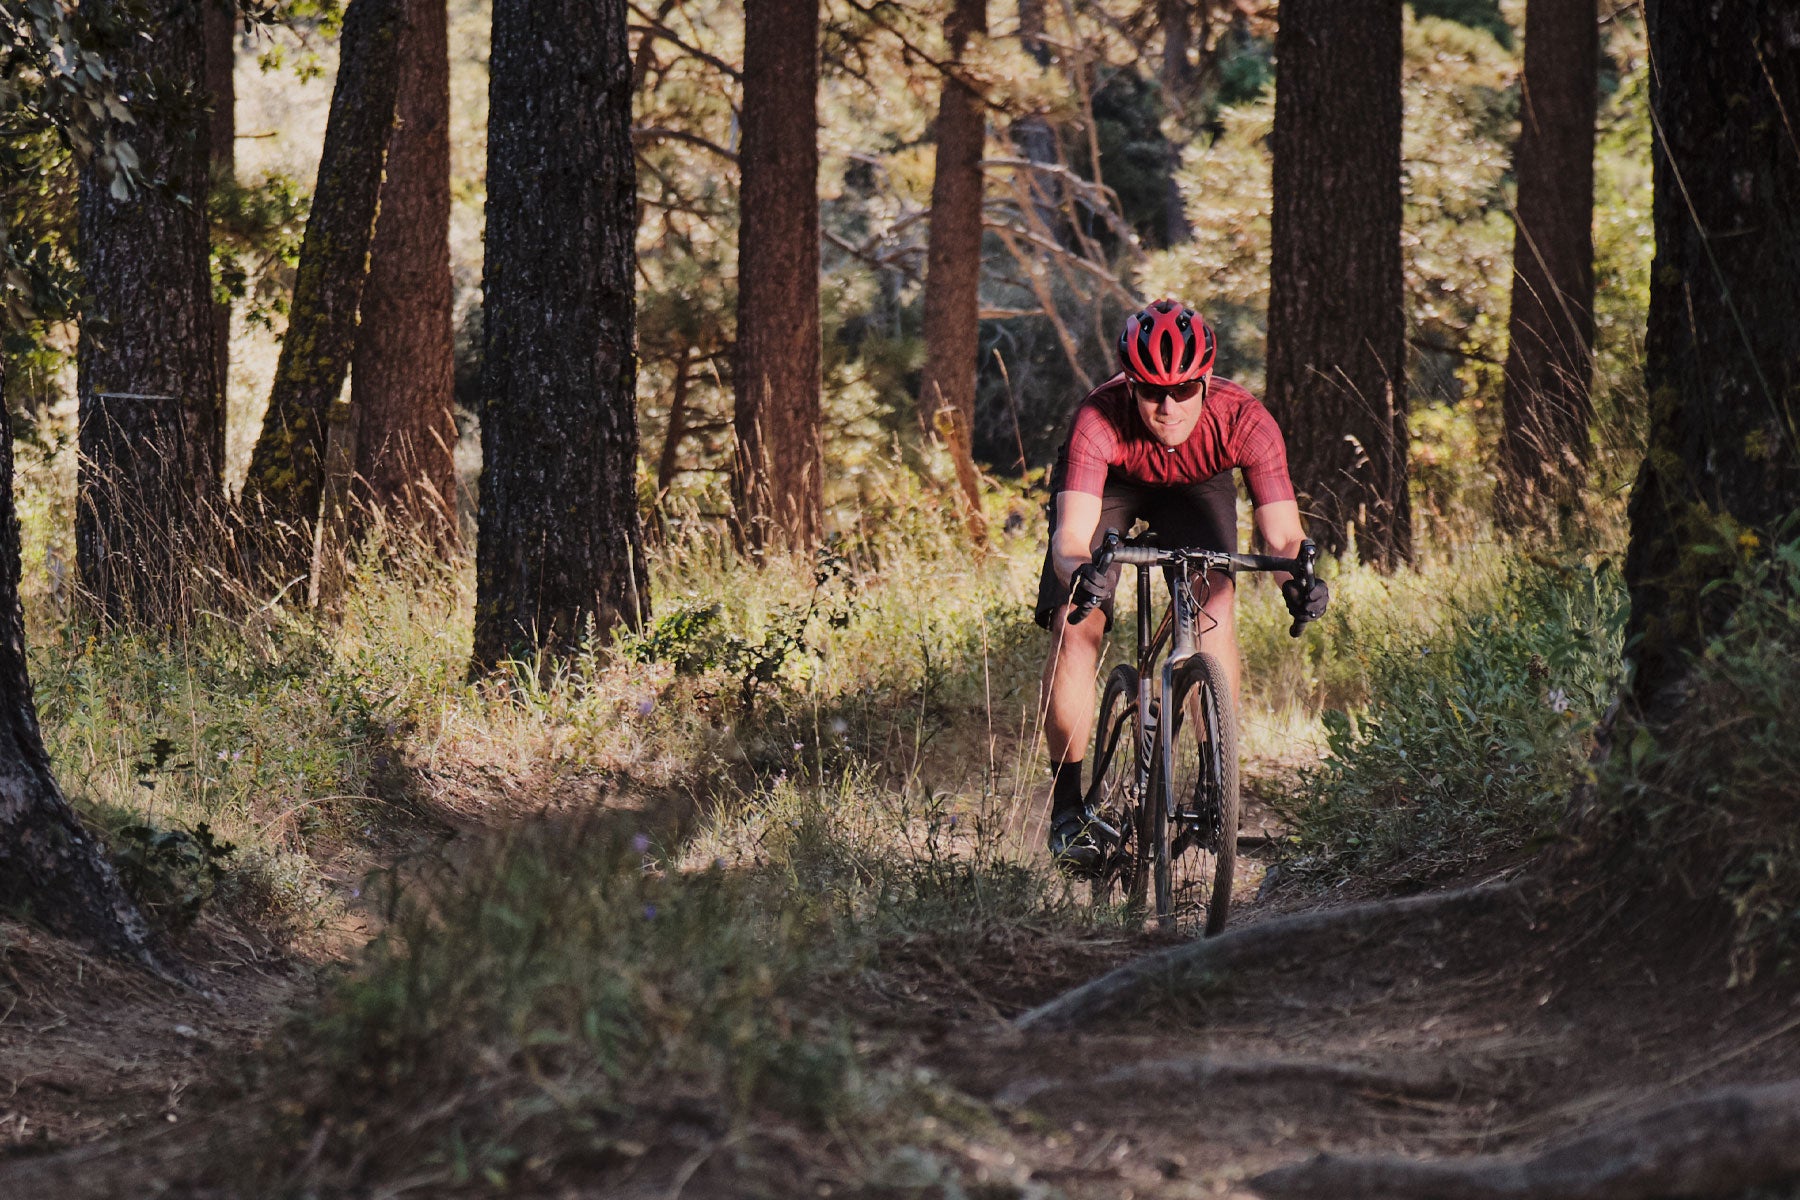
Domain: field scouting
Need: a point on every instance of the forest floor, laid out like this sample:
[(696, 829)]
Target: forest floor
[(1440, 1036)]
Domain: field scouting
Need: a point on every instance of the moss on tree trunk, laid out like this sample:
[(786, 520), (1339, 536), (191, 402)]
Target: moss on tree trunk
[(287, 468)]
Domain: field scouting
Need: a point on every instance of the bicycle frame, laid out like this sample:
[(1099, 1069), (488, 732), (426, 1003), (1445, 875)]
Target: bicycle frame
[(1179, 630), (1174, 640)]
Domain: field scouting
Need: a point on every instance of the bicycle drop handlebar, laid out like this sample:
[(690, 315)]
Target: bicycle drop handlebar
[(1114, 549)]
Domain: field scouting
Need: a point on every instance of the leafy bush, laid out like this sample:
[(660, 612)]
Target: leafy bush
[(171, 873), (1710, 797), (1471, 736)]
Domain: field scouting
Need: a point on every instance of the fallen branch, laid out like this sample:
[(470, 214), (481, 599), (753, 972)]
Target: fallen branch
[(1713, 1146), (1203, 1072), (1283, 937)]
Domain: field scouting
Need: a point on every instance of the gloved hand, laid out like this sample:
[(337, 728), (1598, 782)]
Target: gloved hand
[(1304, 603), (1089, 588)]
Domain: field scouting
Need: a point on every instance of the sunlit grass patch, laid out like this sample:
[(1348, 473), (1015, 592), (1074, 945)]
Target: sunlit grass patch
[(1474, 729)]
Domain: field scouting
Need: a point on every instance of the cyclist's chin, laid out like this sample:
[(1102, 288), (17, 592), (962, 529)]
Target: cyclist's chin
[(1170, 435)]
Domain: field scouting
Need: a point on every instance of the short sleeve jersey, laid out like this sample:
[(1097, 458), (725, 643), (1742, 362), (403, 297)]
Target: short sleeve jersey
[(1109, 442)]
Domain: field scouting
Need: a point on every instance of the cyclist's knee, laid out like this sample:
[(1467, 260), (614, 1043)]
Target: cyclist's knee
[(1084, 636)]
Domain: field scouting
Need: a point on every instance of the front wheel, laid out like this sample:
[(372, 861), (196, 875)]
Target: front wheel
[(1196, 825), (1113, 795)]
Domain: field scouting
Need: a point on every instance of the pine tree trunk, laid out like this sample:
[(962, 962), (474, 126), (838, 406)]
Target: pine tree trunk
[(560, 542), (402, 378), (221, 86), (50, 867), (1175, 17), (1544, 449), (287, 468), (151, 398), (678, 405), (1337, 328), (1722, 349), (778, 467), (953, 265)]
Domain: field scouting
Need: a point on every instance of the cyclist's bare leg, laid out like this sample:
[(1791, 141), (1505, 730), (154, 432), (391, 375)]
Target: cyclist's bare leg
[(1220, 640), (1067, 696)]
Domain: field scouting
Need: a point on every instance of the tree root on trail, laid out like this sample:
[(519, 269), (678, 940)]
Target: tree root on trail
[(1181, 966), (1710, 1147), (1191, 1072)]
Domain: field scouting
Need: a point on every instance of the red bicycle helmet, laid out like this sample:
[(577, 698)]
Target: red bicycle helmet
[(1167, 344)]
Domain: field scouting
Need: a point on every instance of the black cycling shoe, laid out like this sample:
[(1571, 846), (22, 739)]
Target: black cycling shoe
[(1078, 840)]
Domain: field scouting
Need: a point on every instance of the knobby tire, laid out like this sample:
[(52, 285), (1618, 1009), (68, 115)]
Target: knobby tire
[(1117, 741), (1197, 771)]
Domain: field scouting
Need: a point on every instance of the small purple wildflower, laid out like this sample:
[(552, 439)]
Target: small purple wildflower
[(646, 706), (649, 912), (640, 843)]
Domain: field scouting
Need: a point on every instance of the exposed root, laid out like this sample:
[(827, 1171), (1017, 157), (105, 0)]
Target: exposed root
[(1214, 1071), (1716, 1145), (1285, 937)]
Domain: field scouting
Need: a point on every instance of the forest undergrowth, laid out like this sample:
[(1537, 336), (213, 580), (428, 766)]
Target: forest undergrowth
[(698, 858)]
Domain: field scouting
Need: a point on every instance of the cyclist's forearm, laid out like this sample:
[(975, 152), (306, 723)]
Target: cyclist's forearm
[(1077, 519), (1282, 533)]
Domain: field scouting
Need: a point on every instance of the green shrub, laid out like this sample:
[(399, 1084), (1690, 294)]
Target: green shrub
[(1471, 736), (1709, 798)]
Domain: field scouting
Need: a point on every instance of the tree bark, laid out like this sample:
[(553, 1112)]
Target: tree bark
[(778, 467), (1177, 76), (50, 867), (560, 548), (150, 394), (953, 265), (1337, 327), (287, 467), (1722, 349), (221, 86), (671, 451), (402, 375), (1544, 448)]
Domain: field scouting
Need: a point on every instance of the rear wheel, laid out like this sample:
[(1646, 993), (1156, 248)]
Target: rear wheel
[(1113, 793), (1197, 817)]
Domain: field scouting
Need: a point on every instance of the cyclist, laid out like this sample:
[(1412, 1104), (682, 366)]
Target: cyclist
[(1157, 441)]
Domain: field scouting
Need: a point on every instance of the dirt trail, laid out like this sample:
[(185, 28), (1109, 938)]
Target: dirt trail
[(1445, 1038), (1451, 1038)]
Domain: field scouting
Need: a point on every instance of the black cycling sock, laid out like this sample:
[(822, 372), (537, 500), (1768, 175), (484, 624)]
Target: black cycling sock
[(1065, 791)]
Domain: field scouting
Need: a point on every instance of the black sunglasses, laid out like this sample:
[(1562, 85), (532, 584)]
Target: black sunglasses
[(1180, 393)]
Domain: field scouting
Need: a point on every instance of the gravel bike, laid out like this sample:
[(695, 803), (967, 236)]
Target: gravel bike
[(1168, 789)]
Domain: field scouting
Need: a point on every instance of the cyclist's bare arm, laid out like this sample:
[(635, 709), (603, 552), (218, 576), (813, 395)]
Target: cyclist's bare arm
[(1077, 520), (1279, 524)]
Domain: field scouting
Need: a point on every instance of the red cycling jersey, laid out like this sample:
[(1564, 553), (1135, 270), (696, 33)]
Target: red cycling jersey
[(1109, 441)]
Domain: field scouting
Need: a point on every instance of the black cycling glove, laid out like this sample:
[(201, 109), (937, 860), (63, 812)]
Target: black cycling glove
[(1306, 603), (1089, 588)]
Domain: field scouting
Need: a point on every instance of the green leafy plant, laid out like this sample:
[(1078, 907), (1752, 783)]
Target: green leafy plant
[(172, 872), (1471, 736), (695, 639)]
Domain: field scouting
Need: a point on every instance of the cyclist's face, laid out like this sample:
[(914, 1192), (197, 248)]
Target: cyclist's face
[(1170, 414)]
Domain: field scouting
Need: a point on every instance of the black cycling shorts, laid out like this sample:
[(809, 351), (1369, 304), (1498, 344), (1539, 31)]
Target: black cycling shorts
[(1201, 515)]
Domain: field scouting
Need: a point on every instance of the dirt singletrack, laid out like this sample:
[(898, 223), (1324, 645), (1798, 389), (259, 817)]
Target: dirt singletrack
[(1451, 1033)]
